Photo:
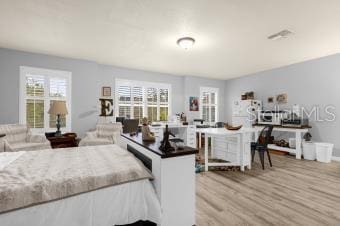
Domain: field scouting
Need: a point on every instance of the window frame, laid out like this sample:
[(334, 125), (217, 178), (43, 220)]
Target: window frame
[(145, 85), (47, 74), (216, 105)]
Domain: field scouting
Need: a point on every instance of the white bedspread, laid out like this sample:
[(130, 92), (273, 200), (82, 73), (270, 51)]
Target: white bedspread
[(7, 158), (116, 205), (42, 176)]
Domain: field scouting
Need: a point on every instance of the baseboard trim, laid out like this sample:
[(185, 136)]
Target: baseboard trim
[(335, 158)]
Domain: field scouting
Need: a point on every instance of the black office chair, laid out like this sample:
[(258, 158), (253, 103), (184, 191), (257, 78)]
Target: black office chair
[(120, 119), (262, 145), (130, 125), (219, 124)]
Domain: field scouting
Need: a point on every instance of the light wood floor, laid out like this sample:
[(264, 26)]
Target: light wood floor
[(293, 192)]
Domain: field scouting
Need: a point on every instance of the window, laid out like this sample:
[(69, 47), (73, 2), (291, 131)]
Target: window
[(39, 88), (136, 99), (209, 104)]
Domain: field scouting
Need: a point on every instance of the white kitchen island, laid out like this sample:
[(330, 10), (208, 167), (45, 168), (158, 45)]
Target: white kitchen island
[(174, 178), (231, 146)]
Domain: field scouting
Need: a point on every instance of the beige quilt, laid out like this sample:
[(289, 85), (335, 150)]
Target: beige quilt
[(41, 176)]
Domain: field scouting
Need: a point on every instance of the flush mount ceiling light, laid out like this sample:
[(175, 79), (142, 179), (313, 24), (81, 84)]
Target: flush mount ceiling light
[(186, 42), (280, 35)]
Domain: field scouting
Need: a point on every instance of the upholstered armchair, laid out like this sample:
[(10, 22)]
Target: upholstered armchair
[(20, 138), (105, 134)]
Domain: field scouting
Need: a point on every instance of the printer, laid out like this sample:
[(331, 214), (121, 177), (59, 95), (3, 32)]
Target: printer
[(293, 120)]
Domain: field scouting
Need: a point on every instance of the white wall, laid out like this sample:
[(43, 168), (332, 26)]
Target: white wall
[(87, 80), (311, 83), (192, 89)]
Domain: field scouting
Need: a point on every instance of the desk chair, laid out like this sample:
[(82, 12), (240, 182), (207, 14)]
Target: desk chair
[(120, 119), (219, 124), (262, 145), (130, 125)]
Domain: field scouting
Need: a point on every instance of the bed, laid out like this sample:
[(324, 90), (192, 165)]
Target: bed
[(87, 186)]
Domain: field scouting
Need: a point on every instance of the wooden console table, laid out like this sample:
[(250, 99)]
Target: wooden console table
[(174, 178), (2, 144)]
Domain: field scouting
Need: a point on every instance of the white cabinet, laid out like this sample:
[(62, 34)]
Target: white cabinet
[(174, 182), (158, 131), (187, 133), (226, 148), (191, 136)]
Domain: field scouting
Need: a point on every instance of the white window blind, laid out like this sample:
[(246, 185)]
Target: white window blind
[(209, 104), (136, 99), (39, 88)]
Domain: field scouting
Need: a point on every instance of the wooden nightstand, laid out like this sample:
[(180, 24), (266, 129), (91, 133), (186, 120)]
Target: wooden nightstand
[(64, 141), (2, 144)]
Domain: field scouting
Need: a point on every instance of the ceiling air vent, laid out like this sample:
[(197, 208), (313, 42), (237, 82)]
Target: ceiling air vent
[(280, 35)]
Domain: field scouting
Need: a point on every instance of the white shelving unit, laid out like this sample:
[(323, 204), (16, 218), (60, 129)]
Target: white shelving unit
[(298, 139)]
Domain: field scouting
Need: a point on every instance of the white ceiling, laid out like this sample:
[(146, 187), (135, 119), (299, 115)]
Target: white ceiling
[(231, 35)]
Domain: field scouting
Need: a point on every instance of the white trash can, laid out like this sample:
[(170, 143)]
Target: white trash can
[(308, 149), (324, 152)]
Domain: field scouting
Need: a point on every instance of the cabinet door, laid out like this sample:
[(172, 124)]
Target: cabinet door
[(191, 136)]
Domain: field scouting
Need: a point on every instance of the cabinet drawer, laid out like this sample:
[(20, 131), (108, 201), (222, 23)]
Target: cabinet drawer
[(232, 148), (232, 139), (221, 145)]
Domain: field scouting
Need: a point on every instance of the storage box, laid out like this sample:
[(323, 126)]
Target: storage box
[(324, 152), (308, 149)]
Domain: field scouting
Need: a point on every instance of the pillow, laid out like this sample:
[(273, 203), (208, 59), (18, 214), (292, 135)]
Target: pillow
[(108, 131)]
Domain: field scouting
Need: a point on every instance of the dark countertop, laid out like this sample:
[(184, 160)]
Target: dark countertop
[(153, 146)]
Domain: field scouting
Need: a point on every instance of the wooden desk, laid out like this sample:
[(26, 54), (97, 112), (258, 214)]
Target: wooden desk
[(174, 178), (63, 141)]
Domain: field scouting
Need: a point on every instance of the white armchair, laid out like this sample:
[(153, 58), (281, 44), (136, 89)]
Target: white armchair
[(19, 138), (105, 134)]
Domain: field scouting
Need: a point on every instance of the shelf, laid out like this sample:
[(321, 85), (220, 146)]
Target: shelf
[(275, 147)]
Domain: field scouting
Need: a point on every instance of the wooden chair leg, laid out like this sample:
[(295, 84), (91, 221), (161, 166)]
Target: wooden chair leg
[(252, 155), (261, 154), (270, 161)]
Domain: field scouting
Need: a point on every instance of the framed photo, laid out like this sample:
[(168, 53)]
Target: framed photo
[(106, 91), (270, 100), (282, 98), (193, 104)]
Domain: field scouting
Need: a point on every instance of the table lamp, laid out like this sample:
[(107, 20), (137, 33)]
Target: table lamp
[(58, 108)]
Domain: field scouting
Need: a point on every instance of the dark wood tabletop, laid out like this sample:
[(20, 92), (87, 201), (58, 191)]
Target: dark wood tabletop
[(64, 141), (153, 146)]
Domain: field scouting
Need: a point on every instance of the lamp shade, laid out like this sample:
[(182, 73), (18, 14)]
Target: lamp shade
[(58, 108)]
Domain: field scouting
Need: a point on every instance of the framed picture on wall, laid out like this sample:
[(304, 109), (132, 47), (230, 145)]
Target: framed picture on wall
[(282, 98), (106, 91), (193, 104), (270, 100)]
